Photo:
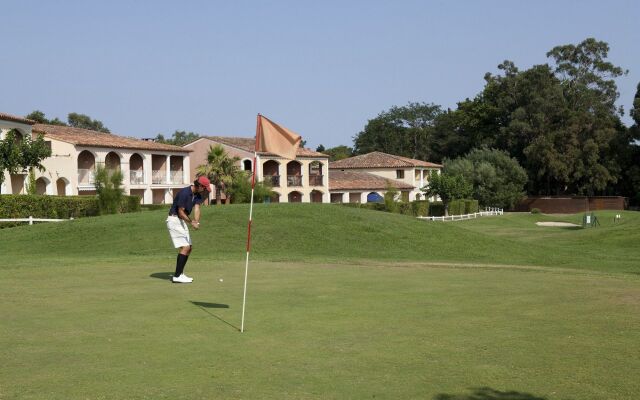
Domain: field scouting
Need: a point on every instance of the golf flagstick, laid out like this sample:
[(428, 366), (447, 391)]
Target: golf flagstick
[(253, 185)]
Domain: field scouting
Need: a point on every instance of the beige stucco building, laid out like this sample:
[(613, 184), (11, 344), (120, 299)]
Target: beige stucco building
[(153, 171), (362, 178), (303, 180)]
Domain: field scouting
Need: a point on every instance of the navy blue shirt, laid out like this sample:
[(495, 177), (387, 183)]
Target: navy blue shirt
[(185, 199)]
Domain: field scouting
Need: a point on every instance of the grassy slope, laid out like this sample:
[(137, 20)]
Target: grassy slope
[(328, 233)]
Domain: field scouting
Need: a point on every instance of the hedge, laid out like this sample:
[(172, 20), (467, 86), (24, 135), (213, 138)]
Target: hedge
[(63, 207), (471, 206), (436, 209), (456, 207)]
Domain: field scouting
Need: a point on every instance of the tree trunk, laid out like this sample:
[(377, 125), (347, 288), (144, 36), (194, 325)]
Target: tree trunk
[(218, 197)]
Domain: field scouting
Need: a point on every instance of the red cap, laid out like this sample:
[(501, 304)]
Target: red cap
[(204, 182)]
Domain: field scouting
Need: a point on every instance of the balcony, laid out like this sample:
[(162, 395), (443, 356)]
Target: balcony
[(274, 180), (159, 177), (315, 180), (176, 177), (136, 177), (86, 177), (294, 180)]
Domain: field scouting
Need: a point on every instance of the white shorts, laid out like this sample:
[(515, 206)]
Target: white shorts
[(178, 231)]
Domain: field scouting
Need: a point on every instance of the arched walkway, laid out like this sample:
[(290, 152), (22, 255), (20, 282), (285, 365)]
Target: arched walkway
[(136, 168), (316, 196), (42, 184), (112, 161), (294, 173), (86, 168), (295, 197), (271, 173), (61, 187), (315, 174)]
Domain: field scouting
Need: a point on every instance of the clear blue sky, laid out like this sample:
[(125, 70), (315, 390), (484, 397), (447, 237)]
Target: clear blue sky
[(320, 68)]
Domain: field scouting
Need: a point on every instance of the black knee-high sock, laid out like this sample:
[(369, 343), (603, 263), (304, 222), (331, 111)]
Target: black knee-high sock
[(180, 263)]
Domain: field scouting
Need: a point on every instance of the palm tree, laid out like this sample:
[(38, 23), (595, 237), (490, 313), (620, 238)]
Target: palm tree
[(221, 169)]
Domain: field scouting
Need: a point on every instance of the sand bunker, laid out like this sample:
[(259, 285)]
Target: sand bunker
[(555, 224)]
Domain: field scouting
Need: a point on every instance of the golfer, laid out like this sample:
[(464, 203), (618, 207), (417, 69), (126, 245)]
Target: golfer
[(178, 222)]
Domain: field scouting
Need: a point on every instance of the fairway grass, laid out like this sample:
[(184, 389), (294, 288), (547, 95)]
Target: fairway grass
[(342, 304), (317, 331)]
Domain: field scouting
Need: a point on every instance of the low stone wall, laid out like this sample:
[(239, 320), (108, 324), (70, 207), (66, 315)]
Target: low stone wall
[(571, 204)]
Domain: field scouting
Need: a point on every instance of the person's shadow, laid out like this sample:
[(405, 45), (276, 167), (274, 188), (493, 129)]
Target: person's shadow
[(203, 306), (162, 275), (486, 393), (206, 306)]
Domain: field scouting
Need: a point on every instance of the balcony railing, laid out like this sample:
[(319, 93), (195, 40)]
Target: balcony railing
[(274, 180), (86, 176), (176, 177), (315, 180), (159, 177), (294, 180), (136, 177)]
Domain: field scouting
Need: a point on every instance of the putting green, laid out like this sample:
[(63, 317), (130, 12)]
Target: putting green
[(108, 330)]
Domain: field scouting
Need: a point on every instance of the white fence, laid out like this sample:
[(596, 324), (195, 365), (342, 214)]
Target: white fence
[(31, 220), (486, 212)]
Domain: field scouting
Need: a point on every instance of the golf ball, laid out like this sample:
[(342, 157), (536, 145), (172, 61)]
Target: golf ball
[(220, 279)]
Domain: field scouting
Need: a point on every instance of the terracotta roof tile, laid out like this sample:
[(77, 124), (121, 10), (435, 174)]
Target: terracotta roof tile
[(248, 144), (15, 118), (355, 180), (378, 159), (85, 137)]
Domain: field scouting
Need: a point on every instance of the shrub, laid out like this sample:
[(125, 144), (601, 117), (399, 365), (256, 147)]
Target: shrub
[(130, 204), (390, 199), (456, 207), (436, 209), (420, 208), (109, 190), (62, 207), (471, 206), (535, 211), (405, 208), (23, 206)]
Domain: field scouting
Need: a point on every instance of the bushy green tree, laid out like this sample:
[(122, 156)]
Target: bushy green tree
[(240, 189), (178, 138), (448, 188), (498, 180), (73, 119), (337, 153), (109, 189), (403, 131), (390, 197), (17, 155), (86, 122), (221, 169)]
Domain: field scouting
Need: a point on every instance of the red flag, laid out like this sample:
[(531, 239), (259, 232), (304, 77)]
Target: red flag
[(276, 139)]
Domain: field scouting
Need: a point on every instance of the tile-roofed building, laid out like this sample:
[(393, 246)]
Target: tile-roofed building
[(378, 159), (86, 137), (249, 144), (15, 118), (352, 177), (304, 179), (356, 180), (153, 171)]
